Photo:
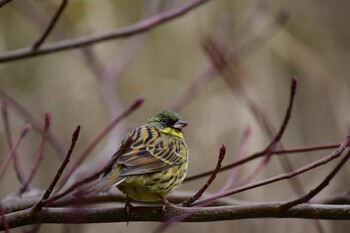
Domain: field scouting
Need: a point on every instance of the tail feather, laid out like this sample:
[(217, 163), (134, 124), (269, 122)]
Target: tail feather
[(102, 185), (105, 184)]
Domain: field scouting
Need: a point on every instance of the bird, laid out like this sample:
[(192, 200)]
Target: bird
[(150, 162)]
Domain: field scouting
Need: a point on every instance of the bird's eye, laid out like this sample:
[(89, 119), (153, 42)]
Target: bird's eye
[(164, 121)]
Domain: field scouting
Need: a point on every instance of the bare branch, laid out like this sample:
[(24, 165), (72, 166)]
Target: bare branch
[(40, 155), (261, 154), (3, 219), (210, 180), (269, 149), (241, 152), (18, 169), (51, 25), (156, 214), (37, 125), (6, 164), (83, 41), (322, 185), (284, 176), (4, 2), (49, 190)]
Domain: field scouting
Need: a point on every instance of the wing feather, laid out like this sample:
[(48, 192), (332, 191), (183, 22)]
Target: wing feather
[(146, 150)]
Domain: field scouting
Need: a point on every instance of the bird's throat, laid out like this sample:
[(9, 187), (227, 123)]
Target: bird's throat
[(173, 132)]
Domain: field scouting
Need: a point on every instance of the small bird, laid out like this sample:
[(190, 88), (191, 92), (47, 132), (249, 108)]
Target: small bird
[(151, 160)]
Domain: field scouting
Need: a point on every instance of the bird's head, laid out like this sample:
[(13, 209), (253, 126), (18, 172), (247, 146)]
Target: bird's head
[(168, 122)]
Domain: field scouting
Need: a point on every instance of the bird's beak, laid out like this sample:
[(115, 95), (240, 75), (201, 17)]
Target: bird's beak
[(179, 125)]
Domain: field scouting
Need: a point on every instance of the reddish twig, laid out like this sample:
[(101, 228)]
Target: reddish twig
[(284, 176), (293, 88), (37, 125), (49, 190), (262, 154), (82, 41), (195, 86), (74, 187), (195, 197), (18, 169), (40, 154), (241, 152), (86, 180), (270, 148), (6, 164), (51, 25), (319, 188), (136, 104)]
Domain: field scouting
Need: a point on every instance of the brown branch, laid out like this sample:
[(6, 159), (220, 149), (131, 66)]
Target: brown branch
[(6, 164), (15, 203), (241, 152), (261, 154), (293, 88), (18, 169), (269, 149), (319, 188), (284, 176), (156, 214), (3, 219), (49, 190), (40, 155), (195, 197), (37, 125), (74, 187), (4, 2), (51, 25), (82, 41), (135, 105)]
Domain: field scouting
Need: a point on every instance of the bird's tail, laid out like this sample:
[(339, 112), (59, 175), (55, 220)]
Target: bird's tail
[(102, 185)]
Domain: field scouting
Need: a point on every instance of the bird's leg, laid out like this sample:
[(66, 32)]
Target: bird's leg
[(166, 203), (128, 206)]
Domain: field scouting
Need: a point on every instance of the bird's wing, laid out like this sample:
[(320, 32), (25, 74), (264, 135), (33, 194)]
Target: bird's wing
[(145, 151)]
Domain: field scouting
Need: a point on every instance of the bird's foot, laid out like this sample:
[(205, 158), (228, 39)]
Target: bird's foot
[(166, 203), (128, 206)]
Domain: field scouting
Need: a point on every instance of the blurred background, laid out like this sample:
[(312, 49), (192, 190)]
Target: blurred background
[(266, 43)]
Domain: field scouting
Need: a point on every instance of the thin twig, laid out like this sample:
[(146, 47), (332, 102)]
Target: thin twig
[(195, 197), (270, 148), (40, 154), (185, 96), (241, 152), (6, 164), (135, 105), (18, 169), (49, 190), (284, 176), (37, 125), (51, 25), (82, 41), (74, 187), (262, 154), (319, 188), (293, 88)]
